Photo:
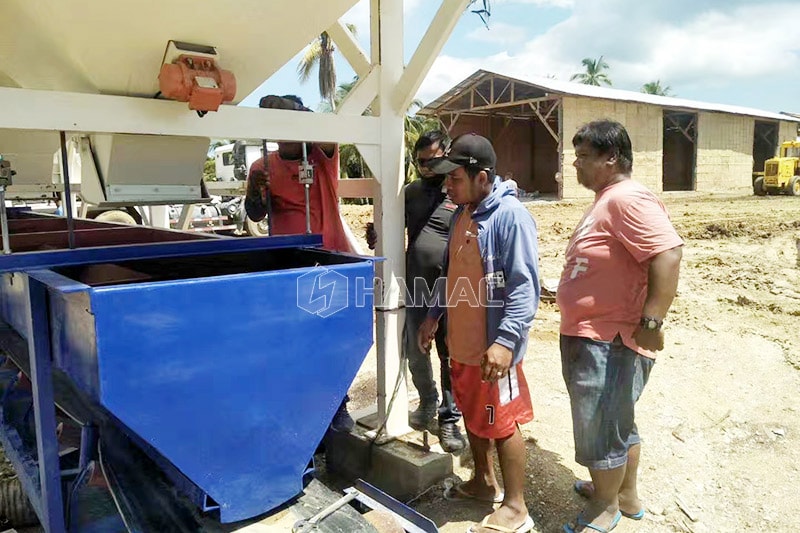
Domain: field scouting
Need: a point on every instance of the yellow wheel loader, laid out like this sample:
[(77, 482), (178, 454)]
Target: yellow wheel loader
[(782, 173)]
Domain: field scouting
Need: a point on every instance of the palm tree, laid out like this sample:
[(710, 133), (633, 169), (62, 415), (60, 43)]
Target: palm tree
[(654, 87), (320, 54), (350, 161), (415, 125), (338, 97), (594, 74)]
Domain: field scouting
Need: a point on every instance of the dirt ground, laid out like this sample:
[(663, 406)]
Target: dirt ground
[(719, 417)]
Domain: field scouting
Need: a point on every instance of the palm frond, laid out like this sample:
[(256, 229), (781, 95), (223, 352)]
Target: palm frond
[(309, 61), (416, 103), (654, 87), (594, 72), (320, 54), (327, 77)]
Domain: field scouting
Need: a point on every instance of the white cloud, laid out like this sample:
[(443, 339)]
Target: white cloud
[(695, 46), (717, 47), (498, 33)]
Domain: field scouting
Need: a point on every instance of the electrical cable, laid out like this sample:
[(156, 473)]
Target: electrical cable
[(400, 377)]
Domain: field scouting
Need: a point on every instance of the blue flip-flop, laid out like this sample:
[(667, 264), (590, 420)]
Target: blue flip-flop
[(580, 522), (580, 487), (634, 516)]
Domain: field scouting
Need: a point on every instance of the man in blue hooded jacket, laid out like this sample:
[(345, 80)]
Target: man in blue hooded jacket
[(490, 292)]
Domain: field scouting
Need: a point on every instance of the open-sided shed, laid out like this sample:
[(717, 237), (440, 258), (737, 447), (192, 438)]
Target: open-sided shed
[(679, 145)]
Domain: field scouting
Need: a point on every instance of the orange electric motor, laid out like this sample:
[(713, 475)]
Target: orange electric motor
[(197, 80)]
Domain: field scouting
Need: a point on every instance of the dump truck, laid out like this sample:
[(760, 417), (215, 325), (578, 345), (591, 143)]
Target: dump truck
[(782, 173)]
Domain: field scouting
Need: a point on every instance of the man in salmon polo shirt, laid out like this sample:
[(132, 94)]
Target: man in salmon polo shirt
[(491, 295), (619, 279)]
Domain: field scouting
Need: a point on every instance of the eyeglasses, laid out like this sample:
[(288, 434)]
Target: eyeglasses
[(422, 161)]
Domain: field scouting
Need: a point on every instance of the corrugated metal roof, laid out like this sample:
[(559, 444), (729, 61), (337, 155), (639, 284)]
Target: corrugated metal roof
[(564, 88)]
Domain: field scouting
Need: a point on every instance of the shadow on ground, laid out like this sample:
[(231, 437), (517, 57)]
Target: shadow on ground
[(548, 494)]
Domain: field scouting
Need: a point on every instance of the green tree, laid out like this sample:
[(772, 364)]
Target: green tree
[(209, 170), (654, 87), (350, 159), (595, 73), (338, 97), (351, 164), (319, 54)]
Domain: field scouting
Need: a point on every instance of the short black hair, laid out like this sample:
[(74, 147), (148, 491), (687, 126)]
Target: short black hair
[(298, 102), (472, 172), (607, 137), (429, 138), (294, 98)]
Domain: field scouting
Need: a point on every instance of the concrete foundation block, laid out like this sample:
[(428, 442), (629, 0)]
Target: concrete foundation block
[(400, 467)]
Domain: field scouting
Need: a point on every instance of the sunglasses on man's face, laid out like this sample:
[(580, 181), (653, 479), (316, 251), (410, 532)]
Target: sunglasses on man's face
[(422, 161)]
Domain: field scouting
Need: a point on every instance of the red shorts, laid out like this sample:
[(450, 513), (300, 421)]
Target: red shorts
[(491, 410)]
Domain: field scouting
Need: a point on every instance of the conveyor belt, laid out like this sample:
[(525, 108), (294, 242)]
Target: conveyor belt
[(144, 498)]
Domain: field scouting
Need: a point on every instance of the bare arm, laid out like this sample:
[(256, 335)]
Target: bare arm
[(256, 191), (662, 285), (662, 282)]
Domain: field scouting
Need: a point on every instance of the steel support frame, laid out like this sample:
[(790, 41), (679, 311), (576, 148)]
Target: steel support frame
[(41, 479), (386, 83), (396, 86), (95, 113), (387, 50)]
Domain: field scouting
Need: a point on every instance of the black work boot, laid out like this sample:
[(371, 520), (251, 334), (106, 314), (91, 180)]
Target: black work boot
[(450, 438), (422, 417)]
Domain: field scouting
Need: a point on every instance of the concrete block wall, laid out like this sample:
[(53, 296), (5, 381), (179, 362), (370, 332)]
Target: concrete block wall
[(787, 131), (644, 124), (724, 152)]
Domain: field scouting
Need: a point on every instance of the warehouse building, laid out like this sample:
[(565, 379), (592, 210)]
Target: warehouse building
[(679, 145)]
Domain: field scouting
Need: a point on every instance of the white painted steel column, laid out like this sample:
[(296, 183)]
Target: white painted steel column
[(159, 216), (387, 48)]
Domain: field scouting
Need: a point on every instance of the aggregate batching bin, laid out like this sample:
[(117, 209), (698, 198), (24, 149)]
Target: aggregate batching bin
[(226, 365)]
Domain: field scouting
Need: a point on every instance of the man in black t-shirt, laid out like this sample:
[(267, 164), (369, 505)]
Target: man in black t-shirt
[(428, 216)]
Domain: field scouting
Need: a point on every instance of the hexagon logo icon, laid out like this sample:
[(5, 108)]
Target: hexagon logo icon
[(322, 292)]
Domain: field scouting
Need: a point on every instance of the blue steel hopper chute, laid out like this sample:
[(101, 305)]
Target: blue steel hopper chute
[(230, 408)]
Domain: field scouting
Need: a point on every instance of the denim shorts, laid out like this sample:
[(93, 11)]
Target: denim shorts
[(604, 380)]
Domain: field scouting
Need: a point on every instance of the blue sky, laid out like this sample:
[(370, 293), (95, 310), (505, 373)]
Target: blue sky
[(735, 52)]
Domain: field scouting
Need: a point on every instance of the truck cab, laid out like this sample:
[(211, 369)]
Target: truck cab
[(232, 161)]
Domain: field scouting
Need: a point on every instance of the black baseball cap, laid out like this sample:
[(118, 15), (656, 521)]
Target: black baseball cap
[(467, 150), (281, 102)]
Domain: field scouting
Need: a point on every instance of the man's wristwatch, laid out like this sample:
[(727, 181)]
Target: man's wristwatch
[(651, 323)]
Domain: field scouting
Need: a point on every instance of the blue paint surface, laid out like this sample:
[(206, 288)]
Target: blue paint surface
[(233, 377)]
